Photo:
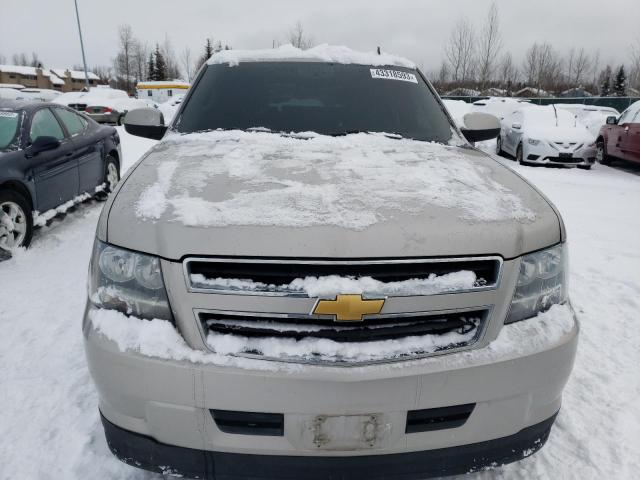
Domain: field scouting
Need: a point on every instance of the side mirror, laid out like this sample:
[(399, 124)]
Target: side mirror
[(480, 126), (145, 122), (516, 126), (44, 143), (612, 120)]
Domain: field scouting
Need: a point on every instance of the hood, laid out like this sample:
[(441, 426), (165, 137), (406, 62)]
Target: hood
[(232, 193), (562, 134)]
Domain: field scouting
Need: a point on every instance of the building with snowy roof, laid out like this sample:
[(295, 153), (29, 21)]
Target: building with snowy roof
[(62, 80)]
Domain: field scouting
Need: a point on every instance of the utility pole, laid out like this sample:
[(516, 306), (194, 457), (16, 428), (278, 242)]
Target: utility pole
[(84, 60)]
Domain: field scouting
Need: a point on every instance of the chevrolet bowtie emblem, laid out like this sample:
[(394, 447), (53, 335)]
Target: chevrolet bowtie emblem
[(348, 308)]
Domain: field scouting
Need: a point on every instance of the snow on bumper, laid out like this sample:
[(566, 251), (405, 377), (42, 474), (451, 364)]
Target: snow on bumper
[(152, 383), (543, 153)]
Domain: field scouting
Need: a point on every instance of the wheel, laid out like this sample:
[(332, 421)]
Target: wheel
[(16, 221), (111, 177), (601, 153), (499, 145), (519, 155)]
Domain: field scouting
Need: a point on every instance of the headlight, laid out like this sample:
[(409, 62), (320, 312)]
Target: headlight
[(129, 282), (542, 282), (533, 142)]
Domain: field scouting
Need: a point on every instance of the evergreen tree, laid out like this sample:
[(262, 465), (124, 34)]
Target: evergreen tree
[(605, 82), (208, 50), (161, 64), (151, 68), (620, 84)]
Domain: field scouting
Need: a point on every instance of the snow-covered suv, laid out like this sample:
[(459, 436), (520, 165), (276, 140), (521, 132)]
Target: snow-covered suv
[(315, 275)]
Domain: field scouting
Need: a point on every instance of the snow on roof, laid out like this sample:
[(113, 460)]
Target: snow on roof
[(163, 83), (15, 86), (321, 53), (21, 70), (75, 74)]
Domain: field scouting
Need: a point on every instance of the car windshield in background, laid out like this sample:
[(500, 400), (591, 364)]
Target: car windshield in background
[(8, 128), (331, 99)]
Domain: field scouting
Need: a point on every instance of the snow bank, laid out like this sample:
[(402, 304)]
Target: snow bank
[(332, 285), (159, 339), (351, 182), (322, 53)]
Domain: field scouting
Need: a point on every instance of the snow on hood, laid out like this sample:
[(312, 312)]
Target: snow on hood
[(351, 182), (322, 53), (541, 124)]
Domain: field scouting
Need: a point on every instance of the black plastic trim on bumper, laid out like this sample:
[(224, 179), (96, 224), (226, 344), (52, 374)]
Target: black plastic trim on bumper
[(145, 452)]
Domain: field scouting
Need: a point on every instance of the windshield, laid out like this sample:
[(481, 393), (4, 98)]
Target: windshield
[(8, 129), (331, 99)]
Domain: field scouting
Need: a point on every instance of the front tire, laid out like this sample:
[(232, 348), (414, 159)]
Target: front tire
[(16, 221), (111, 177), (520, 155), (601, 153), (499, 145)]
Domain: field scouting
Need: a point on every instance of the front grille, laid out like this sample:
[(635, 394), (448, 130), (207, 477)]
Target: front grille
[(271, 277), (249, 423)]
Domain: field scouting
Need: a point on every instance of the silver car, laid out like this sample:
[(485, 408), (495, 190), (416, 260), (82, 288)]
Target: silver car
[(315, 275)]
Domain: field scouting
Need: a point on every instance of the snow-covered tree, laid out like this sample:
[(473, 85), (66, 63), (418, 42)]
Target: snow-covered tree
[(620, 84), (160, 64), (605, 82)]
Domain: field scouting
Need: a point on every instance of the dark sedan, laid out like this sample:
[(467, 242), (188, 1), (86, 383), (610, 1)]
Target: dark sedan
[(49, 155)]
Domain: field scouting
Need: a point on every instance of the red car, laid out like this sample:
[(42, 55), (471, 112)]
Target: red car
[(620, 137)]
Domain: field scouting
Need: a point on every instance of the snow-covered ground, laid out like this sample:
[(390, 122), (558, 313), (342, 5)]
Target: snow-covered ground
[(48, 406)]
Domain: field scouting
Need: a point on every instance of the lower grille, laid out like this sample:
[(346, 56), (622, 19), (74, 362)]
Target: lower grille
[(438, 418), (565, 159), (249, 423), (310, 339)]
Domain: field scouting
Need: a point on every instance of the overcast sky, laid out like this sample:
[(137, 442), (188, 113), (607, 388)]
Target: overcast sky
[(417, 29)]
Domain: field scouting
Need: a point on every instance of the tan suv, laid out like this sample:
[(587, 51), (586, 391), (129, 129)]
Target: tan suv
[(315, 275)]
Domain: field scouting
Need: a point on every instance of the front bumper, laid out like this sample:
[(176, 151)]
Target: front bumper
[(544, 154), (170, 401), (144, 452)]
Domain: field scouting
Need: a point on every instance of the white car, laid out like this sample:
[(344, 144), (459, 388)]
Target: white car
[(546, 135), (499, 106), (591, 116), (38, 94), (113, 110)]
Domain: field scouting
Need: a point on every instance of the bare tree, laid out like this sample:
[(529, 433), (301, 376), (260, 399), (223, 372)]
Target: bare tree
[(103, 72), (634, 71), (298, 38), (508, 73), (187, 63), (489, 46), (139, 60), (578, 65), (3, 59), (20, 59), (541, 66), (173, 71), (459, 51), (123, 63)]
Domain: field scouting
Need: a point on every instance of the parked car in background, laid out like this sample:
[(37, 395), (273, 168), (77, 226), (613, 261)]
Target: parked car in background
[(546, 135), (457, 109), (49, 155), (170, 107), (591, 116), (620, 137), (9, 94), (38, 94), (80, 100), (112, 110), (499, 106)]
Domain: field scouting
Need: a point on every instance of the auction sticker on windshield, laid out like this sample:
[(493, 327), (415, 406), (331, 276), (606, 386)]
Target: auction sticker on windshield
[(393, 75)]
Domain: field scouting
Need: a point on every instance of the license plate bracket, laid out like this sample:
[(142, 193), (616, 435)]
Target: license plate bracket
[(346, 432)]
